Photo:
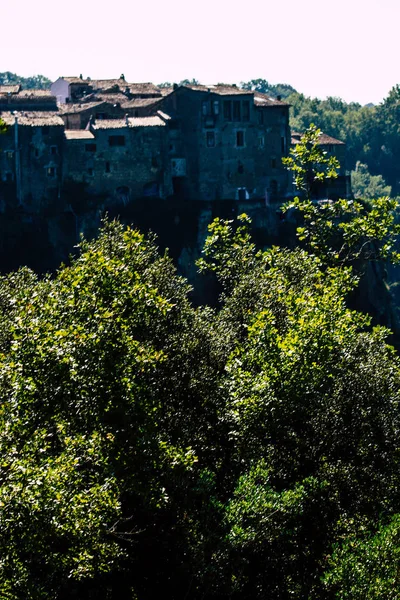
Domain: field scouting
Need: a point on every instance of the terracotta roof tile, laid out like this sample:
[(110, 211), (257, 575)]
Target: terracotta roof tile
[(78, 134), (32, 119), (221, 89), (68, 109), (323, 140), (264, 100), (129, 122), (140, 102), (9, 89)]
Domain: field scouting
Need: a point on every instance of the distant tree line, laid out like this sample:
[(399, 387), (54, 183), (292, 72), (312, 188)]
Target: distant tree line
[(36, 82)]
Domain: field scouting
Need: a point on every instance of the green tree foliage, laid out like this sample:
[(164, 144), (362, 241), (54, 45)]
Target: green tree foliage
[(312, 405), (3, 127), (96, 386), (261, 85), (36, 82), (340, 231), (309, 164), (366, 565), (152, 449), (365, 185)]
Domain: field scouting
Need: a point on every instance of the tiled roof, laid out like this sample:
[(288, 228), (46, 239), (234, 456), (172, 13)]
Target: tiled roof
[(78, 134), (221, 89), (143, 88), (323, 140), (68, 109), (108, 84), (76, 80), (35, 94), (327, 139), (32, 119), (129, 122), (103, 97), (140, 102), (9, 89), (264, 100)]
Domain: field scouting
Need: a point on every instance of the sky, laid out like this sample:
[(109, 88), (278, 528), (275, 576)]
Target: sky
[(345, 48)]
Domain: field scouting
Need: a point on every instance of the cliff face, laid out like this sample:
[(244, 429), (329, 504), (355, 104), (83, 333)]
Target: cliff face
[(44, 241)]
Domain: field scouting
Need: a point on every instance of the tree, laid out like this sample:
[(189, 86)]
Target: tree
[(365, 185), (3, 127), (312, 410), (341, 231), (309, 164), (102, 407)]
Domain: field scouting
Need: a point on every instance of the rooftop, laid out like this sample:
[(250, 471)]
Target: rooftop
[(9, 89), (221, 89), (128, 122), (323, 140), (265, 100), (78, 134), (32, 119)]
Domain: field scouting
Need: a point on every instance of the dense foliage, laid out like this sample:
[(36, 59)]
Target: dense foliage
[(152, 449), (35, 82)]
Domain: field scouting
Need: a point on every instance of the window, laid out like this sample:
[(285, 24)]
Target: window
[(210, 139), (227, 110), (90, 172), (36, 153), (216, 107), (206, 108), (240, 168), (273, 163), (51, 171), (246, 110), (90, 147), (53, 150), (236, 110), (116, 140), (261, 141), (240, 139), (108, 167), (154, 162)]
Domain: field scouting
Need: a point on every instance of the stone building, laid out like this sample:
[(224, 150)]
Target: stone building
[(226, 143), (120, 141)]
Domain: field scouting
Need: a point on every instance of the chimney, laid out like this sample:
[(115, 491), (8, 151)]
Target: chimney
[(127, 120)]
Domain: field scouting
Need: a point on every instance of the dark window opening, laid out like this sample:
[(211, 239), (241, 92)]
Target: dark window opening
[(216, 107), (210, 137), (90, 172), (236, 110), (53, 150), (242, 193), (246, 110), (51, 171), (108, 167), (240, 168), (136, 113), (90, 147), (274, 187), (116, 140), (36, 153), (240, 139), (227, 110), (273, 163), (261, 141), (154, 162)]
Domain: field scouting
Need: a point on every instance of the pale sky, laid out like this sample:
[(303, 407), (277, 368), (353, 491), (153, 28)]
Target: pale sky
[(345, 48)]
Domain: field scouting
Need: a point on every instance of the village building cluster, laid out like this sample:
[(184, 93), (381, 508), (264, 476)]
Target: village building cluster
[(124, 141)]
